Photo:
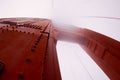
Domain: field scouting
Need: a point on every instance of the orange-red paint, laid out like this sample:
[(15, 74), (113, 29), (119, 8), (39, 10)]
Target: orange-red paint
[(28, 49)]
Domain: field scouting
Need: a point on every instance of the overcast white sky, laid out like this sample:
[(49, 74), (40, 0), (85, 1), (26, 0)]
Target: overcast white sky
[(80, 13), (26, 8), (75, 64)]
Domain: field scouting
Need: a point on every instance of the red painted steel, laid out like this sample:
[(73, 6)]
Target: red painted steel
[(28, 49), (24, 50), (104, 50)]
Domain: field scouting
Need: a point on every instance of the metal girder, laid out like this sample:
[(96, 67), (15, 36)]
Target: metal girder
[(28, 49)]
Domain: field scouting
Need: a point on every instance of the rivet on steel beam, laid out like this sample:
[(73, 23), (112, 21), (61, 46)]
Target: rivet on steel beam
[(38, 40), (33, 50), (36, 43), (41, 31), (20, 76), (28, 60), (2, 67), (34, 46)]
